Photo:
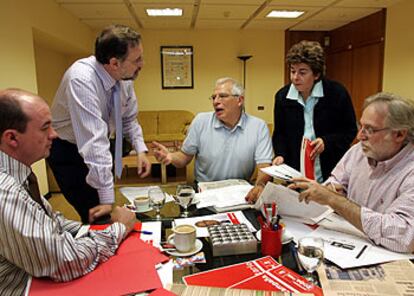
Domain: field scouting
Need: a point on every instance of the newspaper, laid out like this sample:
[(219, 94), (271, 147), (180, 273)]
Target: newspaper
[(183, 290), (395, 278)]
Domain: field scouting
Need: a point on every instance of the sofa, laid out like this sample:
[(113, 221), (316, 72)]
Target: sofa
[(165, 126), (168, 127)]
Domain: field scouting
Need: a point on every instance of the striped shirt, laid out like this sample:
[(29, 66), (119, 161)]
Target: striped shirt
[(385, 192), (82, 115), (41, 243)]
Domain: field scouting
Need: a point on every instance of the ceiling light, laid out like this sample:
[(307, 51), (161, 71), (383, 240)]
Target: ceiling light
[(285, 13), (165, 12)]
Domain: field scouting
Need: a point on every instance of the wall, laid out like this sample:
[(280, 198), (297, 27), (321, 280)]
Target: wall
[(18, 20), (399, 49), (215, 56), (50, 67)]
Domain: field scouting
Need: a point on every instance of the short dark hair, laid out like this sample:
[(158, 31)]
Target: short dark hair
[(114, 42), (12, 115), (310, 53)]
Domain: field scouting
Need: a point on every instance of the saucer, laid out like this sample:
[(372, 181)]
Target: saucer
[(132, 208), (143, 211), (287, 237), (198, 246)]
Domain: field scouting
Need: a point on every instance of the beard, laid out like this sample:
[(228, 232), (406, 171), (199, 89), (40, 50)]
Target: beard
[(132, 77)]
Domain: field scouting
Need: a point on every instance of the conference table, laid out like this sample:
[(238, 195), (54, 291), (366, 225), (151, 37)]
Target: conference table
[(171, 211)]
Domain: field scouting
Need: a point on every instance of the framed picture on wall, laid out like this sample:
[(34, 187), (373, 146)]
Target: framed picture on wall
[(177, 67)]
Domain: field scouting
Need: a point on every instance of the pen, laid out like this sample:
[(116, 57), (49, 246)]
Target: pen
[(361, 252), (143, 231)]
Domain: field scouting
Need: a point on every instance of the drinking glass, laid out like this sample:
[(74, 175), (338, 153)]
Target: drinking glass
[(310, 253), (185, 195), (157, 198)]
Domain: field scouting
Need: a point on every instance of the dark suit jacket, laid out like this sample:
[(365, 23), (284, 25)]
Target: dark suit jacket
[(333, 121)]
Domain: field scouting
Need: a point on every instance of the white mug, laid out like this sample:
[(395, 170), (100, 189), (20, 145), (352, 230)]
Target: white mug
[(183, 238), (142, 203)]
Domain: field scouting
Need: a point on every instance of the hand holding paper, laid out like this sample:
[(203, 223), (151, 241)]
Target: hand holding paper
[(289, 204)]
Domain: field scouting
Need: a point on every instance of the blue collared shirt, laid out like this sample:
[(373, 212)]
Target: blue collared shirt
[(222, 153)]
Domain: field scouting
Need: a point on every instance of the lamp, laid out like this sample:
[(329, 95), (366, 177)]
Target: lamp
[(244, 58)]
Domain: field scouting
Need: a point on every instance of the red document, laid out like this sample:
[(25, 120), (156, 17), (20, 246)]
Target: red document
[(307, 165), (131, 270), (264, 274)]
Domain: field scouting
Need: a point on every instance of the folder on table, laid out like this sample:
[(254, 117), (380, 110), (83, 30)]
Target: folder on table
[(130, 270)]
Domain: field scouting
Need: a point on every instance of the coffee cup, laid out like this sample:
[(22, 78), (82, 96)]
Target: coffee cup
[(142, 203), (183, 238)]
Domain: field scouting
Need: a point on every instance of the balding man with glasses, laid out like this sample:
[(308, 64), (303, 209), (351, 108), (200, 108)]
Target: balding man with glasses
[(375, 178), (227, 143)]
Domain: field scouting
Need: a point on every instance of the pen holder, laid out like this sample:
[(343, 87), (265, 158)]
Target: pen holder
[(272, 241)]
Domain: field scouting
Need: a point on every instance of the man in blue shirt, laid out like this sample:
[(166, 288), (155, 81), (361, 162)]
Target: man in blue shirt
[(226, 143)]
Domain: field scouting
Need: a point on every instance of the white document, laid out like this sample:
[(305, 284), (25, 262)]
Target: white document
[(155, 237), (288, 204), (223, 197), (202, 222), (338, 223), (282, 172), (296, 229), (337, 248), (132, 192), (165, 272)]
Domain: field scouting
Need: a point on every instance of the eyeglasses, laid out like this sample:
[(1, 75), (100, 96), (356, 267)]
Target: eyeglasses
[(221, 96), (369, 130)]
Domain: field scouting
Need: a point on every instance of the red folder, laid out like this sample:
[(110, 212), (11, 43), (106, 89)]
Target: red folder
[(307, 165), (264, 274), (131, 270)]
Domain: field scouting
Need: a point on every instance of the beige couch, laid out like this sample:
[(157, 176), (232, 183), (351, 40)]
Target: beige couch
[(168, 127), (165, 126)]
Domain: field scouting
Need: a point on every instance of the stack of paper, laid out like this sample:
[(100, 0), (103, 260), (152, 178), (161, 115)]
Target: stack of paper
[(203, 186), (224, 199)]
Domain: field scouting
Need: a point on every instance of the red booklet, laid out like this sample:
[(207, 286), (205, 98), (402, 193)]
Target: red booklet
[(307, 165), (264, 274), (131, 270)]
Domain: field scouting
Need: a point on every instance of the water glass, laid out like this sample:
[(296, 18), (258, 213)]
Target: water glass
[(310, 253), (185, 195), (157, 198)]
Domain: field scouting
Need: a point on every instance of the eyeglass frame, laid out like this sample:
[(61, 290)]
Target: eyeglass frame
[(222, 96), (369, 131)]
